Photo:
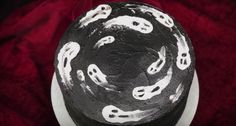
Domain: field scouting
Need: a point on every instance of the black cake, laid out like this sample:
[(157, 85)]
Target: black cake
[(125, 64)]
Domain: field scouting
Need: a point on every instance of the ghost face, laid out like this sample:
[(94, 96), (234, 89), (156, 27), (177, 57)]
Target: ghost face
[(147, 92), (103, 41), (183, 57), (101, 12), (99, 78), (96, 75), (164, 19), (156, 66), (80, 75), (116, 115), (135, 23), (66, 54), (84, 86), (161, 17)]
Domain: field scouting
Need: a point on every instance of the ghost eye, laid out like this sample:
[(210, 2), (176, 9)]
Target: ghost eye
[(146, 25), (184, 54), (141, 90), (67, 49), (94, 71), (144, 29), (111, 116), (90, 73), (135, 23), (149, 13), (65, 61), (161, 16), (115, 111), (103, 8)]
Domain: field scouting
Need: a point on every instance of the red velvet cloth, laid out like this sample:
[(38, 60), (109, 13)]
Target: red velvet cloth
[(29, 37)]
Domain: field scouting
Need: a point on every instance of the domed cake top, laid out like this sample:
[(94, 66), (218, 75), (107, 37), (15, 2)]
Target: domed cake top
[(124, 63)]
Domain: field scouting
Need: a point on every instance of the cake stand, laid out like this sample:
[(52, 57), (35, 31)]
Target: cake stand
[(64, 118)]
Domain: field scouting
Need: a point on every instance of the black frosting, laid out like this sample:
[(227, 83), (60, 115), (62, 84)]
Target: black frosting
[(125, 63)]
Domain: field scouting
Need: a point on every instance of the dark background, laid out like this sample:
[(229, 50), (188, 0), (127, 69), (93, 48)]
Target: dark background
[(30, 31)]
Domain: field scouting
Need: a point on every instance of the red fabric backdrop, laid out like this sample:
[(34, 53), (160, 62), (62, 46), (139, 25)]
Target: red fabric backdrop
[(29, 36)]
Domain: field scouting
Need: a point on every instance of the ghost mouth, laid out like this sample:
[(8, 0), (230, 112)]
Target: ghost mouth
[(155, 89), (97, 79)]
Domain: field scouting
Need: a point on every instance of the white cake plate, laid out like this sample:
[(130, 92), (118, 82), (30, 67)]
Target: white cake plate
[(64, 118)]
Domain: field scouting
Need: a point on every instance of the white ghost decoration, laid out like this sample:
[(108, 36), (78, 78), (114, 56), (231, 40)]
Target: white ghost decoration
[(115, 115), (177, 94), (103, 41), (136, 23), (183, 57), (100, 12), (81, 77), (147, 92), (99, 78), (161, 17), (66, 54), (156, 66)]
